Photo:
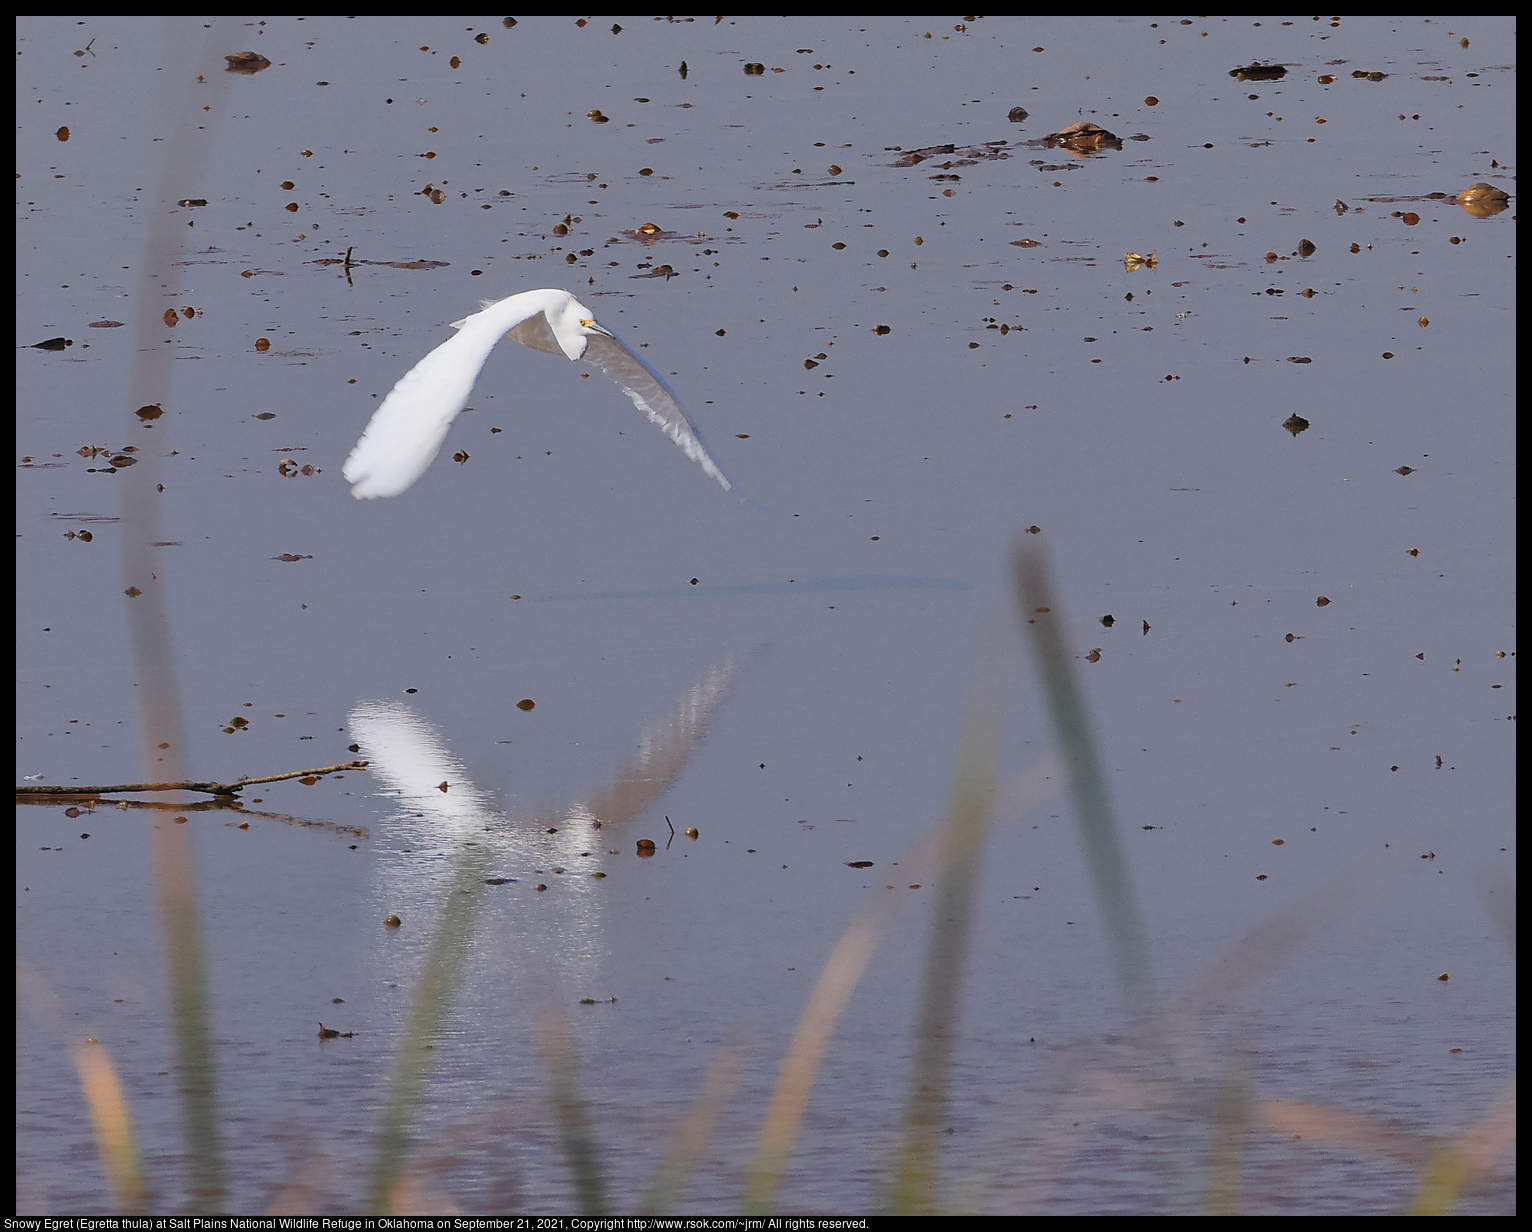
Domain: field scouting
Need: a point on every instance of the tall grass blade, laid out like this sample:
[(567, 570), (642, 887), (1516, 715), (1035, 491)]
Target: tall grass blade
[(1157, 1070), (1233, 1111), (779, 1127), (110, 1117), (1442, 1177), (113, 1125), (692, 1137), (833, 989), (1267, 945), (441, 974), (917, 1168), (188, 117), (308, 1190), (196, 1068), (1497, 893), (574, 1125), (1116, 898), (1452, 1165)]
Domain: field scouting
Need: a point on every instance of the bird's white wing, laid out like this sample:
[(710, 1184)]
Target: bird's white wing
[(405, 433), (651, 395)]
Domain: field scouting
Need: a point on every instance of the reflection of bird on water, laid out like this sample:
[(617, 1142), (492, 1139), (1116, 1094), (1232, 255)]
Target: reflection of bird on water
[(406, 432), (443, 842)]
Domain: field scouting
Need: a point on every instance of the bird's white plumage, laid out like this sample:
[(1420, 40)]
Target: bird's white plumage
[(407, 431)]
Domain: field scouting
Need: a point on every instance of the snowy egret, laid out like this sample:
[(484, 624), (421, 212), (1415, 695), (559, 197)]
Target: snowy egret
[(406, 432)]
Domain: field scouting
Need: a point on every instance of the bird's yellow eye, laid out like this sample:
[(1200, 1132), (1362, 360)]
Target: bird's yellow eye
[(587, 324)]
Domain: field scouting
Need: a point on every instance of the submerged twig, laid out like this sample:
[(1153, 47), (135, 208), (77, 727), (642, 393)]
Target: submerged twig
[(212, 789)]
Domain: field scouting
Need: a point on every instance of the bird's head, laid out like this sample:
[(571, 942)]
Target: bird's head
[(573, 325)]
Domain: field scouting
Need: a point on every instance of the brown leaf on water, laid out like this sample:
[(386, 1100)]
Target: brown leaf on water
[(247, 63), (1259, 72), (1086, 137)]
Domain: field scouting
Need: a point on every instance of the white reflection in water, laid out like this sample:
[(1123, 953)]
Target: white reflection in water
[(443, 843)]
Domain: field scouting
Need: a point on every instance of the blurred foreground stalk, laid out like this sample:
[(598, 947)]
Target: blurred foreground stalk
[(1043, 622), (917, 1170)]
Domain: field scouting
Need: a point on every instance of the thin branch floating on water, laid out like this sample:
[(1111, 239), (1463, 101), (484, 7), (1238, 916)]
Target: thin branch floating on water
[(212, 789)]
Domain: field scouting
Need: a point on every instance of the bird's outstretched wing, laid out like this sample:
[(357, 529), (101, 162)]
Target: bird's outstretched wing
[(535, 332), (651, 395), (407, 430), (405, 433)]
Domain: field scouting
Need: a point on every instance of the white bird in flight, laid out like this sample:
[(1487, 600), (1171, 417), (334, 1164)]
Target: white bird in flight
[(407, 431)]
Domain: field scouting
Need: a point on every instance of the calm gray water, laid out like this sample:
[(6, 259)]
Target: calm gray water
[(903, 362)]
